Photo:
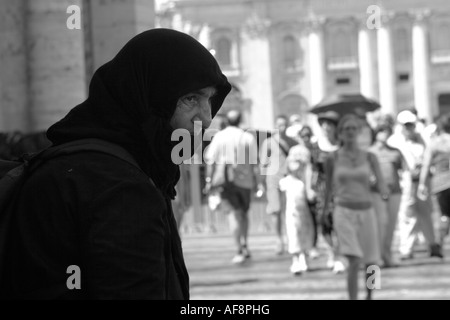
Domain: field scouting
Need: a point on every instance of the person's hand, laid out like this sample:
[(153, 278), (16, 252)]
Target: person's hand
[(311, 195), (422, 192), (207, 188), (260, 190), (373, 180), (415, 173)]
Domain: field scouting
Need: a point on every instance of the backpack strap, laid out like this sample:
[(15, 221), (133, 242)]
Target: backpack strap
[(370, 158), (331, 160), (12, 181), (7, 165), (283, 145), (83, 145), (97, 145)]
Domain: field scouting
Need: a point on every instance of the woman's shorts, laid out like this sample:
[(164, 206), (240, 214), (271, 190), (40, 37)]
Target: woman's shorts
[(357, 233)]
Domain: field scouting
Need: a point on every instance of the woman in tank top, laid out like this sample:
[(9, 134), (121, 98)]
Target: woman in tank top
[(348, 172)]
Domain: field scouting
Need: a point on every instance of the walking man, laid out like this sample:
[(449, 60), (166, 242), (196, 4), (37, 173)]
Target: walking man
[(232, 169)]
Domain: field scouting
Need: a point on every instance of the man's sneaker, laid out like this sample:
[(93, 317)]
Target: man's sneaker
[(295, 268), (330, 263), (298, 265), (238, 259), (303, 266), (338, 267)]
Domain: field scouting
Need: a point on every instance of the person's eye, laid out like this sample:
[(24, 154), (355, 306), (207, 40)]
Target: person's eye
[(190, 100)]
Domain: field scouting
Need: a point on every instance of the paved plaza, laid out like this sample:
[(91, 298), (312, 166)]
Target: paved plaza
[(267, 277)]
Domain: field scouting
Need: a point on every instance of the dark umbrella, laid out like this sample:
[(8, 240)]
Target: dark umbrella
[(346, 103)]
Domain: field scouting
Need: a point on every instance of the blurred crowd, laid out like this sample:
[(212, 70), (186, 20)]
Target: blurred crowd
[(316, 212), (408, 186)]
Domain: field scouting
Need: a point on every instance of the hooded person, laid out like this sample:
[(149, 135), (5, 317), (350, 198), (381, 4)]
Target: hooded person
[(99, 213)]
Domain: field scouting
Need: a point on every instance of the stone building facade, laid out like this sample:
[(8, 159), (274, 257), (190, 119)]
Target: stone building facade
[(284, 56), (45, 66)]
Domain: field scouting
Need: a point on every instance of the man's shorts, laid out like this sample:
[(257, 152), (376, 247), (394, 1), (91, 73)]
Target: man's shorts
[(237, 197), (443, 199)]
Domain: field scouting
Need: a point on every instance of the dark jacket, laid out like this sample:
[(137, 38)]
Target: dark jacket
[(103, 215), (98, 212)]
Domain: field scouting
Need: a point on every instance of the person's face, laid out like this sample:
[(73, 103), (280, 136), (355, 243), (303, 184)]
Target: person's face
[(192, 107), (306, 135), (350, 131), (329, 128), (294, 166), (281, 124), (383, 135), (294, 119), (409, 130)]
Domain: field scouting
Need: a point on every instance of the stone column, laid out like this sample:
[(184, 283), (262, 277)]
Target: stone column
[(316, 60), (256, 69), (386, 74), (55, 62), (204, 36), (421, 67), (366, 54), (13, 74), (115, 22)]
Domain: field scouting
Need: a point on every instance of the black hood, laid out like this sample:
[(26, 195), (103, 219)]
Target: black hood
[(133, 97)]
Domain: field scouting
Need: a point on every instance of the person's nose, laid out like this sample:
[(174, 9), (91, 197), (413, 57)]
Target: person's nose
[(205, 115)]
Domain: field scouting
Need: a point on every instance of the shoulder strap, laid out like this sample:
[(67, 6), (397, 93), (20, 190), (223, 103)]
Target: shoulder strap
[(333, 156), (12, 181), (97, 145), (7, 165), (283, 146), (237, 146), (369, 158), (330, 160), (83, 145)]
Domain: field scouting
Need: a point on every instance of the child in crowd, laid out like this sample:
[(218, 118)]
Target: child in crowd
[(299, 223)]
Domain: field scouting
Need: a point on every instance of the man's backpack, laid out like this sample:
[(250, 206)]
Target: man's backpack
[(240, 172), (240, 175), (13, 175)]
